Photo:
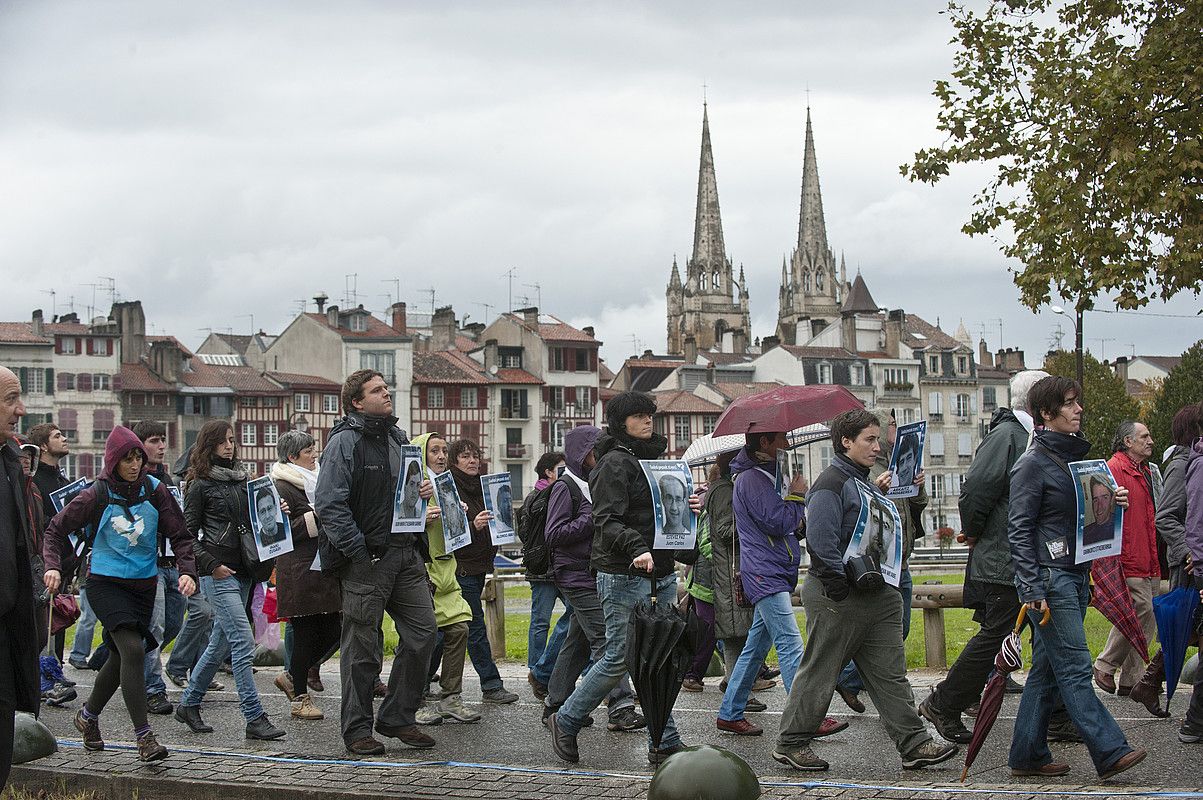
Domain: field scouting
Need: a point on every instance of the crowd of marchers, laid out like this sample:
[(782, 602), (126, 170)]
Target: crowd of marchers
[(153, 571)]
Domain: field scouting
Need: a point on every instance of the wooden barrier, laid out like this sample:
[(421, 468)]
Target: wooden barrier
[(933, 598)]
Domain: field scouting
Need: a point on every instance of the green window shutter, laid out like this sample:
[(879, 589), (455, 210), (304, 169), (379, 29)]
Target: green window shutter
[(49, 381), (23, 377)]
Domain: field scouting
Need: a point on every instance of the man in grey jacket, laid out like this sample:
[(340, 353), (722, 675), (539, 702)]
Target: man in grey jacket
[(380, 571)]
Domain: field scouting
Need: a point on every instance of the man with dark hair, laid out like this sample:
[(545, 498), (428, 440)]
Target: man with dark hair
[(1102, 513), (380, 571), (845, 622), (267, 513)]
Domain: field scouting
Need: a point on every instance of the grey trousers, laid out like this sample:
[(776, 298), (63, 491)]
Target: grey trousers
[(732, 647), (867, 628), (584, 642), (395, 584)]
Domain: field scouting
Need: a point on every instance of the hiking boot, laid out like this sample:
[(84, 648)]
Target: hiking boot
[(180, 681), (850, 699), (149, 748), (303, 708), (564, 744), (283, 682), (452, 707), (190, 716), (90, 728), (659, 755), (1063, 732), (691, 684), (801, 757), (1052, 769), (1126, 762), (829, 726), (428, 715), (537, 687), (59, 695), (367, 746), (408, 734), (759, 686), (947, 725), (313, 679), (753, 705), (157, 703), (498, 696), (379, 689), (1190, 734), (740, 727), (927, 754), (261, 728), (626, 719)]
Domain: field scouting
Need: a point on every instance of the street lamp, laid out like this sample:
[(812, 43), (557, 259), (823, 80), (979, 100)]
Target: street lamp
[(1077, 323), (298, 422)]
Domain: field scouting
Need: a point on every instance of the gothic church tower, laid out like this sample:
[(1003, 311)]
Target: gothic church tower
[(708, 302)]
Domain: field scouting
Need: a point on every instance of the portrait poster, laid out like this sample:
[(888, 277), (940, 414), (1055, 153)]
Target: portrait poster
[(671, 483), (878, 533), (907, 459), (1158, 482), (499, 501), (175, 492), (455, 522), (783, 473), (1100, 528), (63, 495), (268, 522), (409, 509)]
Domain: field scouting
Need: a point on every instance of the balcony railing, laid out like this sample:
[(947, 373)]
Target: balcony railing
[(571, 410), (515, 412), (513, 452)]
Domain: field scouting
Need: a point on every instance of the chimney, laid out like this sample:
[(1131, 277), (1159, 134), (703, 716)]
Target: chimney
[(320, 298), (530, 316), (739, 341), (490, 355), (165, 360), (474, 330), (588, 329), (332, 316), (984, 358), (895, 320), (131, 324), (691, 350), (36, 323), (1121, 368), (399, 321), (647, 353), (1010, 360), (768, 343), (442, 329)]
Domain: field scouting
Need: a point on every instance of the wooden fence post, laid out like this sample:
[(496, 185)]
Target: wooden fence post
[(934, 639), (494, 600)]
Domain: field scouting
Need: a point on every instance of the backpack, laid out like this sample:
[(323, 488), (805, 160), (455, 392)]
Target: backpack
[(536, 554)]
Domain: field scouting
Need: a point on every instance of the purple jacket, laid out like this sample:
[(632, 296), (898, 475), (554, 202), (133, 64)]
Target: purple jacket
[(769, 548), (1194, 503), (570, 535)]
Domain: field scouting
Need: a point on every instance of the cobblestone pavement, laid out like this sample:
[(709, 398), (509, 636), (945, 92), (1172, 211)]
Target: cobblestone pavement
[(508, 755)]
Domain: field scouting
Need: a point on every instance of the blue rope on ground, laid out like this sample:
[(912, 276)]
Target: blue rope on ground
[(341, 762)]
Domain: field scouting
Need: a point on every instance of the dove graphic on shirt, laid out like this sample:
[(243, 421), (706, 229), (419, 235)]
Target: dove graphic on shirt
[(131, 530)]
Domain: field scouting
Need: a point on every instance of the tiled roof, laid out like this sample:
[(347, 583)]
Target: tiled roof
[(932, 336), (172, 340), (604, 373), (516, 376), (377, 329), (237, 343), (859, 299), (992, 373), (734, 391), (464, 344), (654, 362), (239, 380), (447, 366), (139, 378), (295, 380), (725, 359), (554, 329), (679, 401), (20, 333), (1134, 387), (818, 352), (72, 329), (1166, 363)]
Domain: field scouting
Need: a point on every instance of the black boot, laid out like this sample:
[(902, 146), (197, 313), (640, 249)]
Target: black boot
[(190, 716), (1147, 690)]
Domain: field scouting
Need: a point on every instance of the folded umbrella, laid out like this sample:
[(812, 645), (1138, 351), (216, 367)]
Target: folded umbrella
[(1114, 601), (48, 664), (785, 408), (1175, 614), (659, 650), (706, 449)]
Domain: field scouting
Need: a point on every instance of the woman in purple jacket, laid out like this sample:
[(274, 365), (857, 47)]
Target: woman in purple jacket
[(569, 532), (1191, 731)]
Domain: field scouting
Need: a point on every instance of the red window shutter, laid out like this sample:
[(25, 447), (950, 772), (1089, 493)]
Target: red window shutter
[(91, 347), (86, 464), (83, 381), (116, 383), (108, 347), (58, 345), (62, 381), (593, 360), (79, 345), (570, 394)]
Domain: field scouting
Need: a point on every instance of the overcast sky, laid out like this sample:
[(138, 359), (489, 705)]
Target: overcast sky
[(223, 160)]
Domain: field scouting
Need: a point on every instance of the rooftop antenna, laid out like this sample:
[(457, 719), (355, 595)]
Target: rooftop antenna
[(511, 274), (350, 289), (1001, 345), (488, 307), (111, 288), (396, 282), (301, 305), (635, 343), (430, 291), (1131, 345), (1103, 347), (92, 307), (538, 294), (252, 316), (1057, 336), (53, 307)]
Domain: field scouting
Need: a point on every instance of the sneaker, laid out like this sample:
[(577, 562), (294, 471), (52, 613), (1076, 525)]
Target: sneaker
[(759, 686), (180, 681), (157, 703), (498, 696), (452, 707), (314, 680), (753, 705), (367, 746), (537, 687), (927, 754), (59, 695), (1190, 734), (283, 682), (428, 715), (801, 757), (303, 708), (850, 699), (947, 725), (190, 716), (659, 755), (227, 668), (626, 719), (216, 686), (829, 726), (90, 728), (262, 729), (149, 748), (1126, 762), (564, 744), (768, 672), (408, 734), (692, 684)]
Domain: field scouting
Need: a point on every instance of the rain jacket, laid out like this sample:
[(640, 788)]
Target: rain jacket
[(833, 508), (570, 534), (1139, 553), (770, 549), (1171, 511), (985, 495), (16, 589), (450, 606), (1194, 503), (731, 620)]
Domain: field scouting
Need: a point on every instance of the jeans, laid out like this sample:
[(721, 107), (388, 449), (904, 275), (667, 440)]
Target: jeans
[(619, 594), (232, 637), (773, 623), (193, 638), (541, 650), (849, 678), (165, 625), (1061, 660), (585, 643), (85, 629), (478, 638)]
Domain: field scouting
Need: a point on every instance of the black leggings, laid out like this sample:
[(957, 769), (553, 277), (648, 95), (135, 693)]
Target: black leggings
[(313, 638), (124, 667)]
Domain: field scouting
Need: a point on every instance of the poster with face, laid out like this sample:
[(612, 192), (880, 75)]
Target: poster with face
[(671, 483), (455, 523), (60, 498), (499, 500), (409, 509), (175, 492), (268, 523), (1100, 528), (907, 459), (878, 533), (783, 473)]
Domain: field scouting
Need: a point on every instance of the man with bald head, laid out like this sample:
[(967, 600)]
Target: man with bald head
[(19, 668)]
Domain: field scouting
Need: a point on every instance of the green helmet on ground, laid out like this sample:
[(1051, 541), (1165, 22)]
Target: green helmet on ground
[(704, 772)]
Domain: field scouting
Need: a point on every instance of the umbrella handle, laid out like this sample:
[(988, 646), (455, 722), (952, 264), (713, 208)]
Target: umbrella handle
[(651, 576), (1023, 612), (50, 624)]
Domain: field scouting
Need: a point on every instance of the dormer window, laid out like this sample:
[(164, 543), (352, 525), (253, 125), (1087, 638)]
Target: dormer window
[(962, 365), (824, 373), (933, 364), (359, 322)]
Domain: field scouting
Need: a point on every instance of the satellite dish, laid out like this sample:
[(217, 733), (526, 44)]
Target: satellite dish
[(493, 370)]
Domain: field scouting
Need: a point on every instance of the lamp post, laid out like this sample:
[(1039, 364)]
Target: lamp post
[(1077, 323), (298, 422)]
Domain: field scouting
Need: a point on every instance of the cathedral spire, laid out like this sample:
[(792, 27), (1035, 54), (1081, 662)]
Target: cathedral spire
[(812, 230), (674, 281), (709, 250)]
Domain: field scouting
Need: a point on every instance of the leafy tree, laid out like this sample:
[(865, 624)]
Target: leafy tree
[(1183, 386), (1104, 398), (1091, 115)]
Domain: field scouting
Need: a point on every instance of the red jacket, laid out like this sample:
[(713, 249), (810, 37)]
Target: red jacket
[(1139, 553)]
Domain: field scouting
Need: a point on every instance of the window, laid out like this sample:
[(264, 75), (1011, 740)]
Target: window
[(581, 360), (681, 431), (513, 404), (989, 398), (584, 400), (101, 382), (897, 379), (68, 423), (558, 428), (467, 397), (826, 454), (824, 373), (137, 399), (555, 397), (300, 402), (510, 357), (161, 400), (434, 397), (962, 365), (359, 322), (950, 484), (248, 436), (221, 406), (933, 364), (102, 424), (964, 445), (66, 381), (963, 405), (908, 416), (935, 444), (936, 488), (271, 434), (270, 402), (83, 382), (248, 402), (330, 403), (33, 381), (67, 346), (935, 404), (380, 360), (858, 374)]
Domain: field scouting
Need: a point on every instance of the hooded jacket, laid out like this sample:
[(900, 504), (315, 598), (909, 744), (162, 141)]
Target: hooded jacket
[(770, 549), (985, 496), (16, 586), (1139, 553), (1043, 511), (731, 620), (569, 534), (833, 508), (1194, 503), (1171, 511), (450, 607)]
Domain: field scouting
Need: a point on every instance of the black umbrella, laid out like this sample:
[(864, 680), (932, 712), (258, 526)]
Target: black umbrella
[(660, 645)]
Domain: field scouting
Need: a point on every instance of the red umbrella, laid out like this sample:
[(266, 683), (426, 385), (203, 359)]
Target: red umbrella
[(785, 408), (1114, 601), (1008, 660)]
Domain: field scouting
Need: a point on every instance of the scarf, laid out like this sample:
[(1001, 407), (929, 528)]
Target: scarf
[(227, 471), (470, 491), (308, 478), (651, 448)]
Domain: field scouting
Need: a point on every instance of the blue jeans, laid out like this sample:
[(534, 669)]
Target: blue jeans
[(85, 629), (193, 637), (773, 623), (542, 651), (850, 678), (619, 594), (1061, 660), (165, 624), (478, 638), (233, 637)]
